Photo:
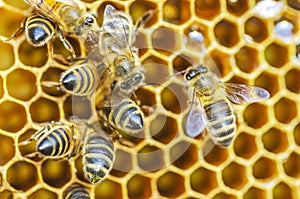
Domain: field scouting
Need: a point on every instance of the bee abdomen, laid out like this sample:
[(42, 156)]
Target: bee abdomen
[(76, 191), (57, 143)]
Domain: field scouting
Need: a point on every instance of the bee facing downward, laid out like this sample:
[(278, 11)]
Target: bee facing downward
[(216, 110)]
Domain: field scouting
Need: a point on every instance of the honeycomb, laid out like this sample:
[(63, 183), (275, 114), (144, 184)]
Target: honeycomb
[(262, 162)]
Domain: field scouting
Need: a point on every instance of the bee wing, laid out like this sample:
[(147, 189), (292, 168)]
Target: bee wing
[(242, 93)]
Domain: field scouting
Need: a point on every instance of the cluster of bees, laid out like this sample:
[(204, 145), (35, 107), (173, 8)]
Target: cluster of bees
[(111, 50)]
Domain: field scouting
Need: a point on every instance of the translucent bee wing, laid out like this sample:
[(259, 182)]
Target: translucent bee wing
[(242, 93), (196, 121), (207, 146)]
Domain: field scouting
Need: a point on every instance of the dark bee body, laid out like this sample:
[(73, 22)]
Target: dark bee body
[(76, 191), (98, 157)]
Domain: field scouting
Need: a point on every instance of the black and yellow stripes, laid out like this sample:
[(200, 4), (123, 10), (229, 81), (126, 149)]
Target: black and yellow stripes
[(76, 191)]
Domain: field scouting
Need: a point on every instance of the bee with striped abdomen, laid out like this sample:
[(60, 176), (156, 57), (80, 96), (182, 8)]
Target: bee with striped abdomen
[(216, 109), (76, 191), (56, 140)]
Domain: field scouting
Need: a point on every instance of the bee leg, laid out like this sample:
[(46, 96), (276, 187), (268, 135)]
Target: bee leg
[(77, 144), (66, 43), (35, 136), (32, 155), (16, 34)]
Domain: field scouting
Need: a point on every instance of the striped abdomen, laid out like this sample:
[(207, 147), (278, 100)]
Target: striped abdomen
[(127, 116), (76, 191), (98, 157), (56, 143), (79, 80), (221, 122), (39, 30)]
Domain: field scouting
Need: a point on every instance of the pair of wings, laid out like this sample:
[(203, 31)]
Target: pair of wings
[(237, 93)]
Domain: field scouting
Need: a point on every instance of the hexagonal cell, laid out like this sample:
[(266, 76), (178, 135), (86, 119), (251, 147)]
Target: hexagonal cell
[(275, 141), (217, 155), (44, 110), (138, 8), (256, 193), (294, 4), (234, 176), (176, 11), (221, 60), (7, 56), (21, 84), (108, 189), (56, 173), (244, 145), (252, 112), (7, 194), (11, 23), (163, 129), (22, 175), (207, 9), (282, 190), (123, 163), (285, 110), (226, 33), (237, 7), (223, 195), (174, 98), (268, 81), (139, 187), (165, 40), (247, 59), (43, 193), (256, 29), (156, 70), (17, 3), (292, 80), (150, 158), (197, 32), (1, 87), (7, 151), (52, 74), (77, 106), (264, 168), (170, 185), (276, 55), (291, 165), (182, 62), (33, 56), (12, 116), (184, 155), (297, 134), (203, 180)]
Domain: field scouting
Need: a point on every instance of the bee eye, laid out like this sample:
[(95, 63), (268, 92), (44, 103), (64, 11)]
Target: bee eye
[(88, 21)]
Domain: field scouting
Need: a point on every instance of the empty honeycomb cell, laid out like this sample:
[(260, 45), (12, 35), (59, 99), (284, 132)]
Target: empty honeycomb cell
[(221, 61), (282, 190), (184, 155), (11, 23), (7, 149), (256, 29), (291, 165), (276, 55), (174, 98), (53, 75), (254, 192), (44, 110), (7, 57), (122, 164), (108, 189), (77, 106), (1, 87), (226, 33), (275, 140), (21, 84), (268, 81), (294, 4), (285, 110), (203, 180), (56, 173), (150, 158), (255, 115), (163, 129), (22, 175), (170, 185), (176, 11), (6, 194), (165, 40), (33, 56), (12, 116), (223, 195), (247, 59), (244, 145), (234, 176), (139, 7), (216, 155), (264, 168), (156, 70), (182, 62), (292, 80), (139, 187), (42, 193), (297, 134), (237, 7), (17, 3), (145, 97), (207, 9)]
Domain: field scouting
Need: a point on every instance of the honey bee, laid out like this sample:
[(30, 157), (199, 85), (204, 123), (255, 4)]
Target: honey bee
[(55, 140), (76, 191), (216, 113)]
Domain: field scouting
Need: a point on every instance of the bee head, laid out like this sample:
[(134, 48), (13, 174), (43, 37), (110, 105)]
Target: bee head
[(194, 72)]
